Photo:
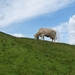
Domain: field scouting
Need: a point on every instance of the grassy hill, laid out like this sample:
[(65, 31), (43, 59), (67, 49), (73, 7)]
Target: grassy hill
[(24, 56)]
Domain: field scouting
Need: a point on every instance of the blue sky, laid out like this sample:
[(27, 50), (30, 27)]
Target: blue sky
[(23, 18)]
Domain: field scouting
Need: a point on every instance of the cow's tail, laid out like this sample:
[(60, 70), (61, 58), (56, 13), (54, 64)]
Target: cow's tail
[(58, 35)]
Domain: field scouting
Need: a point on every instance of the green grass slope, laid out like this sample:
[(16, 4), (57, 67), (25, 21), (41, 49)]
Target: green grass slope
[(24, 56)]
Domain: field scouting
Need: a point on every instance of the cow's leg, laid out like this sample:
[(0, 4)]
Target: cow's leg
[(42, 38), (52, 40)]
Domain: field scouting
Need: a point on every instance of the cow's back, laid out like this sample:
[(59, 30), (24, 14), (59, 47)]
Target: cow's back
[(45, 31)]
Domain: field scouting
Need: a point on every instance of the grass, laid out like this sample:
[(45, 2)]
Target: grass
[(25, 56)]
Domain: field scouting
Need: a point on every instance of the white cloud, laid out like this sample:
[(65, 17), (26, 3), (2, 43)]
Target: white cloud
[(1, 16), (71, 30), (18, 10), (67, 30), (18, 35)]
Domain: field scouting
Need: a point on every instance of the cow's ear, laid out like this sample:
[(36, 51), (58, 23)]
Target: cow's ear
[(34, 35)]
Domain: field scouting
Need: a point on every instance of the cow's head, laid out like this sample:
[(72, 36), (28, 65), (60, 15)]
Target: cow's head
[(36, 36)]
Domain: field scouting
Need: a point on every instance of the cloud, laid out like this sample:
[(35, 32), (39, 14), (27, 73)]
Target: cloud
[(18, 10), (18, 35), (71, 30), (67, 30), (1, 16)]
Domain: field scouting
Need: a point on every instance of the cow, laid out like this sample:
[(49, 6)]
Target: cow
[(48, 32)]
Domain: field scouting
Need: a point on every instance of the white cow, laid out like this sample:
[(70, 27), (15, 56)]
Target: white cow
[(45, 32)]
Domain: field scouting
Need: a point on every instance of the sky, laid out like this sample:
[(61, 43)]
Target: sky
[(23, 18)]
